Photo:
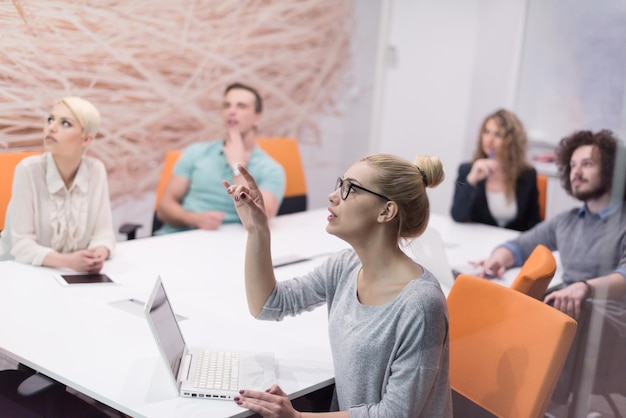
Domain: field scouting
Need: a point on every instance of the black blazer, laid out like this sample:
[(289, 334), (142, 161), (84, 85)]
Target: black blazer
[(470, 203)]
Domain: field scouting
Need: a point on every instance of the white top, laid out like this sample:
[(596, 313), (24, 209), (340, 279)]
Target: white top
[(45, 216), (502, 209)]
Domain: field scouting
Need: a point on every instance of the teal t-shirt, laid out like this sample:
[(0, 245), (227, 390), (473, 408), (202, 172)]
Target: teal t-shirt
[(205, 166)]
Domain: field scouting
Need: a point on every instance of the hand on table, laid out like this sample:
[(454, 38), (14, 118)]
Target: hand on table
[(273, 403), (89, 261), (569, 299), (497, 263), (488, 269)]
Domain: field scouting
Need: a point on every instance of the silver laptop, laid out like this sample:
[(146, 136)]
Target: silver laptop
[(429, 250), (200, 372)]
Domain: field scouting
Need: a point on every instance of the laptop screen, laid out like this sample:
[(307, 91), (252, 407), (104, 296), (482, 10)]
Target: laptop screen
[(165, 327)]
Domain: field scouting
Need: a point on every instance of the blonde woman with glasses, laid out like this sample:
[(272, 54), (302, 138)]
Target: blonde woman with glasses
[(387, 315)]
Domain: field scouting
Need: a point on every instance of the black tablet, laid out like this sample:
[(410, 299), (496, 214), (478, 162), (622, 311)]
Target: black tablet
[(87, 278)]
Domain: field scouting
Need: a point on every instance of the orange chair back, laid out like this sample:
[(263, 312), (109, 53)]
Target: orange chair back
[(171, 157), (287, 153), (536, 273), (542, 187), (506, 349), (8, 161)]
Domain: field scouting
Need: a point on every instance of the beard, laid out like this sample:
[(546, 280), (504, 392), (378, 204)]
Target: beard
[(584, 195)]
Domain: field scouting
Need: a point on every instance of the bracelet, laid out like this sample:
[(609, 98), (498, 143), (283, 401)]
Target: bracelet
[(589, 289)]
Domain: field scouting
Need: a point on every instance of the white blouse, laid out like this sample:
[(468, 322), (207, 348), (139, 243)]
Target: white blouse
[(45, 216), (502, 210)]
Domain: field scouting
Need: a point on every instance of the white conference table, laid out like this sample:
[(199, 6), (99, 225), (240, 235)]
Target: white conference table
[(94, 339)]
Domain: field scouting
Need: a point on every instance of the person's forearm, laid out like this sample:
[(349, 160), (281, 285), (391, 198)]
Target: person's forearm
[(175, 215), (507, 258), (339, 414), (611, 286), (259, 272), (55, 260)]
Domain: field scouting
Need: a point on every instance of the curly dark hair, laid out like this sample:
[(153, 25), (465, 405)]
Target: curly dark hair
[(603, 141)]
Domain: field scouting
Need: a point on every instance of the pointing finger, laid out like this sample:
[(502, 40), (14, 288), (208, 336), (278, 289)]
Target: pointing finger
[(246, 174)]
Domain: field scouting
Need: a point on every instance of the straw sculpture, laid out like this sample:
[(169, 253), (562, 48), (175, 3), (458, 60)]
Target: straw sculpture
[(157, 70)]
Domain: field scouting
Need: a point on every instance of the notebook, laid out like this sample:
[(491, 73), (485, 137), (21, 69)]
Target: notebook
[(429, 251), (191, 367)]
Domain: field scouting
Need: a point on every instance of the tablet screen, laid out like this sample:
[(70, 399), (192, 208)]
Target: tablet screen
[(86, 278)]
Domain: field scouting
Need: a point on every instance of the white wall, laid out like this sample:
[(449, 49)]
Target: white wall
[(346, 137), (449, 63), (574, 68)]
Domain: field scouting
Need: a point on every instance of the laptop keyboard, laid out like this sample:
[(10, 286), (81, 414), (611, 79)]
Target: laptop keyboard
[(217, 370)]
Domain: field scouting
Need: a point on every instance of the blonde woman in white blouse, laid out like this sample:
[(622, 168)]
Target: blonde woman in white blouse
[(60, 213)]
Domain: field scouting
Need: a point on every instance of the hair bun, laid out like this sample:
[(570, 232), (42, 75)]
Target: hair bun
[(431, 170)]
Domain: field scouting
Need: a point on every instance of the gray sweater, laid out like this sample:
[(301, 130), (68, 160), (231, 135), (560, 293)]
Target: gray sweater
[(590, 245), (391, 360)]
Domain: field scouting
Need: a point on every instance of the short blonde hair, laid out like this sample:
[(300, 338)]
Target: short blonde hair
[(86, 113)]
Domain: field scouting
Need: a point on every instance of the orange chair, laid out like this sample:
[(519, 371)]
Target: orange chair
[(130, 229), (536, 273), (8, 161), (506, 348), (171, 157), (542, 186), (286, 152)]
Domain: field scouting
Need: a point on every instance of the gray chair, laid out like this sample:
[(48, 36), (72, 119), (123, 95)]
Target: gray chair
[(26, 394)]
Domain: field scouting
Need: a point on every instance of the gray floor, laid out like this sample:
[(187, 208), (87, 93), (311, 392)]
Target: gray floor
[(598, 404), (8, 363), (598, 408)]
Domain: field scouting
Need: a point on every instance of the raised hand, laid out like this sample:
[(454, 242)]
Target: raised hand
[(481, 169), (248, 201)]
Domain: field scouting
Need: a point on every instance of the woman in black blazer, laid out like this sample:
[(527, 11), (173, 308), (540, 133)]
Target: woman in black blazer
[(498, 187)]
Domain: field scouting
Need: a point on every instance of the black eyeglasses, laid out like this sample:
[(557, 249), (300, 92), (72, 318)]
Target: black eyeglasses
[(346, 186)]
